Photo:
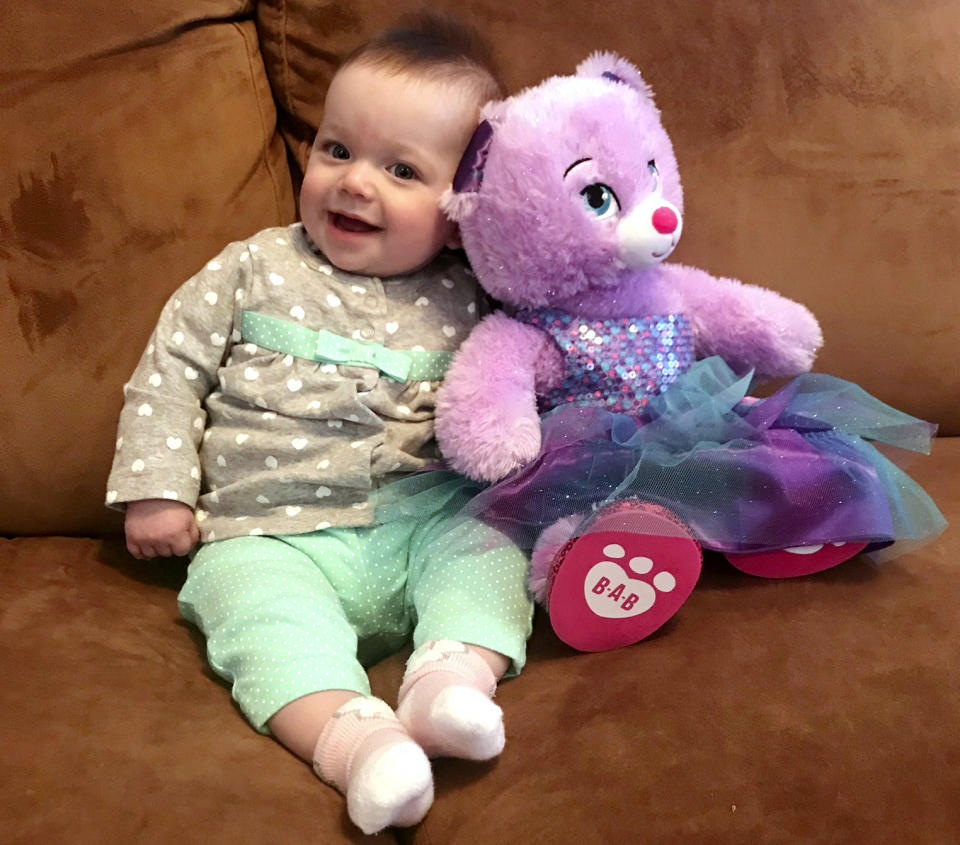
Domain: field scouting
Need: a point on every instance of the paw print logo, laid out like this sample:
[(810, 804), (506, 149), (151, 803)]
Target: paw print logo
[(613, 594)]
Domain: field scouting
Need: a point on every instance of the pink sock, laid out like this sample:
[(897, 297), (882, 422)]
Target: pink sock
[(365, 752), (445, 702)]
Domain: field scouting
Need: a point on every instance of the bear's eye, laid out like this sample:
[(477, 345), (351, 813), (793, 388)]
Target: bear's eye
[(652, 167), (600, 199)]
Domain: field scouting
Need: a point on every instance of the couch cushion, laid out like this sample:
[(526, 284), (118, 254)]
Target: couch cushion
[(818, 149), (138, 145), (824, 709)]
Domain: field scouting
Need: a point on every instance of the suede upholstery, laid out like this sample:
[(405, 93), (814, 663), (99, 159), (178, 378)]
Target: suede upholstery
[(818, 143)]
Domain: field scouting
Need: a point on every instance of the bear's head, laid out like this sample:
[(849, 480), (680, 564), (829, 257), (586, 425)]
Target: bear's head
[(566, 185)]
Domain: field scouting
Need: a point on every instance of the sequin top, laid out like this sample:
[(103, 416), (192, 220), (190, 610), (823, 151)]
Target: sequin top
[(617, 363)]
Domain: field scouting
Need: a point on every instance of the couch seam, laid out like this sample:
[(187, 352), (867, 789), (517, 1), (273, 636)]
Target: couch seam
[(264, 134), (285, 64)]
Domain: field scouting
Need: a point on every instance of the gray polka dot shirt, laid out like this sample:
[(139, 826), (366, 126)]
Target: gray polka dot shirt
[(260, 441)]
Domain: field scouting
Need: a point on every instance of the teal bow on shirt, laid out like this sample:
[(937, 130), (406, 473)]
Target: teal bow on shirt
[(320, 345)]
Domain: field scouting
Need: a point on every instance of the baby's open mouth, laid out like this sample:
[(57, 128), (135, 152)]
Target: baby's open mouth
[(351, 224)]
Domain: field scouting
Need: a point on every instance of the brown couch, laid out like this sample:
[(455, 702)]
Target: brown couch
[(820, 144)]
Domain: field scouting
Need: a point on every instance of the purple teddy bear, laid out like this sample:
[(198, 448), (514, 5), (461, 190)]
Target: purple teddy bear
[(649, 447)]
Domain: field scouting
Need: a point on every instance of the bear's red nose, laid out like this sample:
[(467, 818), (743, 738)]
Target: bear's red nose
[(665, 220)]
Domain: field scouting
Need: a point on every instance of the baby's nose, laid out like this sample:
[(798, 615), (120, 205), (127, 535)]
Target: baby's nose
[(665, 220), (355, 179)]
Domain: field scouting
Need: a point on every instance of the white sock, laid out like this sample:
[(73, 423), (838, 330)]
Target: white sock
[(445, 702), (365, 752)]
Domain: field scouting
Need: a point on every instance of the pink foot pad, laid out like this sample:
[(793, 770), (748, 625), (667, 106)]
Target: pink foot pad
[(621, 579), (793, 562)]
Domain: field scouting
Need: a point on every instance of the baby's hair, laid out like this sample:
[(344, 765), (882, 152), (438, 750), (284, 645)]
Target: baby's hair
[(437, 46)]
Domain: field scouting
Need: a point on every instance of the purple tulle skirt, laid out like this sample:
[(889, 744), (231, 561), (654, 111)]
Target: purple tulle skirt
[(795, 469)]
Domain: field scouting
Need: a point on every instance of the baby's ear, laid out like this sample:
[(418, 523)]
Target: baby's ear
[(616, 69), (461, 200), (454, 241)]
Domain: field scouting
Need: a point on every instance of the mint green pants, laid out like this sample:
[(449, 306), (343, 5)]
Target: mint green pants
[(285, 616)]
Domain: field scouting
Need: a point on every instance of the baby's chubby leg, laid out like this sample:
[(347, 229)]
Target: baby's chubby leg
[(276, 629), (357, 744), (467, 585)]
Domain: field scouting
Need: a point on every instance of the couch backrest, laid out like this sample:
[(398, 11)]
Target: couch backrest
[(138, 140), (818, 141)]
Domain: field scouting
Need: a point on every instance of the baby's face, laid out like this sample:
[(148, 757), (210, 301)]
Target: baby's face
[(388, 147)]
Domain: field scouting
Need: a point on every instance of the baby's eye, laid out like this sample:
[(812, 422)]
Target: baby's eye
[(403, 171), (601, 200), (338, 151)]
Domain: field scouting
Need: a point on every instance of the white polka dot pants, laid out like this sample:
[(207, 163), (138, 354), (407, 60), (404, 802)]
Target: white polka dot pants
[(287, 616)]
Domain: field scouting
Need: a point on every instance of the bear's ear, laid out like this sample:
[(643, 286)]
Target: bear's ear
[(616, 69)]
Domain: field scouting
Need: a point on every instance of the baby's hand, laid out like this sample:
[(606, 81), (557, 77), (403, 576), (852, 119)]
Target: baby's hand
[(160, 528)]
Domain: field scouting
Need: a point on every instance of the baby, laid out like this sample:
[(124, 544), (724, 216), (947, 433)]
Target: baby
[(277, 417)]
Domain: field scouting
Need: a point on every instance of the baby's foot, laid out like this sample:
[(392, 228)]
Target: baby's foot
[(623, 577), (445, 702), (365, 752)]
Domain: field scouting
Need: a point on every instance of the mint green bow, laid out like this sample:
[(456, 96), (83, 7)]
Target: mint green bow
[(291, 339)]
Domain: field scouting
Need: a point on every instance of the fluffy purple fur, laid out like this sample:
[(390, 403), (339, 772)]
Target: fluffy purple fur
[(500, 413), (533, 243)]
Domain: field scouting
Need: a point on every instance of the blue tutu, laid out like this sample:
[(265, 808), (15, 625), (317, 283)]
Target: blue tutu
[(795, 469)]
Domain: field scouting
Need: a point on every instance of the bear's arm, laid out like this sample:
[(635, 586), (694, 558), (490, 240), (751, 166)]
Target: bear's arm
[(750, 327), (487, 423)]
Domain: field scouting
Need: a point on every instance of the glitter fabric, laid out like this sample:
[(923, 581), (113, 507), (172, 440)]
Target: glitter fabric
[(617, 364)]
